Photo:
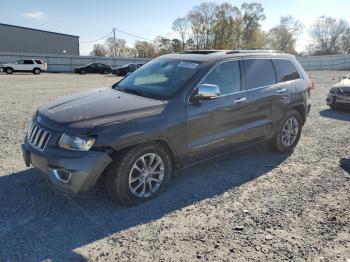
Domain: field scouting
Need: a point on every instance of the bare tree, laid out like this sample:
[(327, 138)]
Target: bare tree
[(99, 50), (327, 34), (181, 26)]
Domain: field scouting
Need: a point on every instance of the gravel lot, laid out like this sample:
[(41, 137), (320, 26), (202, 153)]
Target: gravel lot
[(253, 205)]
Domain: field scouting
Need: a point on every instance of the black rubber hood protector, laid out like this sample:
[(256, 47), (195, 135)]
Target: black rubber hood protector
[(81, 112)]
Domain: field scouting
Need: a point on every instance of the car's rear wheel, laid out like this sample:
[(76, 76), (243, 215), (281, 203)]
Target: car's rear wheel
[(288, 132), (82, 72), (139, 174), (36, 71), (9, 71)]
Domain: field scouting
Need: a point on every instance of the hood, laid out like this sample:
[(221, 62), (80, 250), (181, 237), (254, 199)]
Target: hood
[(344, 85), (98, 107)]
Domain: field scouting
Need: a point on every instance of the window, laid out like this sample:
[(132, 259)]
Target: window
[(39, 62), (28, 62), (227, 76), (160, 78), (285, 70), (259, 72), (20, 62)]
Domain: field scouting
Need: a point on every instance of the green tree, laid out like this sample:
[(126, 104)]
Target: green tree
[(284, 36), (253, 14)]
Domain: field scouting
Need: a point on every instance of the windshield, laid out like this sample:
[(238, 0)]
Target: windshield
[(159, 79)]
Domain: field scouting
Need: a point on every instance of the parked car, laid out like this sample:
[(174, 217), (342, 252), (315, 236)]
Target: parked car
[(36, 66), (125, 69), (93, 68), (339, 95), (173, 111)]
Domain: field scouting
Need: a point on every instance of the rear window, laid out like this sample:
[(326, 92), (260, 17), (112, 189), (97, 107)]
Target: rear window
[(259, 73), (285, 70), (39, 62), (28, 62)]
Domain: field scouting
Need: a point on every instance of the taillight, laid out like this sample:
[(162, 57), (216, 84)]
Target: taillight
[(310, 84)]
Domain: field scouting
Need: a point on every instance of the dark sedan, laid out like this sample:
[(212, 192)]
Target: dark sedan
[(93, 68), (125, 69), (339, 95)]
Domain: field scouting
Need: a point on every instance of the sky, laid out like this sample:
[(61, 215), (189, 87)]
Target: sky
[(91, 20)]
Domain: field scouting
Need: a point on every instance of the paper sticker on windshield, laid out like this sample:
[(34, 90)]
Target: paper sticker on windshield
[(188, 65)]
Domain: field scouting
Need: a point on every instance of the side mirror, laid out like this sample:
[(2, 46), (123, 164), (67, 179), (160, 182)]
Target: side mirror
[(207, 92)]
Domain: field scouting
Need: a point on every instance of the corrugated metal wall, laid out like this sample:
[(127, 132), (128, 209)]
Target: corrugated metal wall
[(25, 40), (326, 62), (63, 63)]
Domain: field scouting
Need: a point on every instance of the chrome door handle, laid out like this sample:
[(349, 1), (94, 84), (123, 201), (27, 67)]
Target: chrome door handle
[(282, 90), (240, 100)]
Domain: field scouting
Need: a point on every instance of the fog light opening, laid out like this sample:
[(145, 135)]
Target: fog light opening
[(62, 175)]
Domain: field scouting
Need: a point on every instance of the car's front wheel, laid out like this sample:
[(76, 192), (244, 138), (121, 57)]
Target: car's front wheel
[(9, 71), (288, 132), (139, 174)]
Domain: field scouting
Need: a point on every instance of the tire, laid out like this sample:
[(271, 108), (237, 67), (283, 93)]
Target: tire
[(105, 72), (125, 181), (82, 72), (281, 141), (36, 71), (9, 71)]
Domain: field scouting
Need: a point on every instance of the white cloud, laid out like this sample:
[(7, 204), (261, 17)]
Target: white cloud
[(36, 15)]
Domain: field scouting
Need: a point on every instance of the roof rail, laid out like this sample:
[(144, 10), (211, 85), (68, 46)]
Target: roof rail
[(253, 51), (200, 52)]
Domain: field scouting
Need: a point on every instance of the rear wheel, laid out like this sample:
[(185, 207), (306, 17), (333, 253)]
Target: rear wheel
[(9, 71), (139, 174), (36, 71), (288, 132), (82, 72)]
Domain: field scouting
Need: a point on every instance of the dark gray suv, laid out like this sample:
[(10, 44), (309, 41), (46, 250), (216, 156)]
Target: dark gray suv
[(174, 110)]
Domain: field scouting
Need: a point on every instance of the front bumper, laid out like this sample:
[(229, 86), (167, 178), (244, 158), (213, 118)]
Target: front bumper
[(84, 169)]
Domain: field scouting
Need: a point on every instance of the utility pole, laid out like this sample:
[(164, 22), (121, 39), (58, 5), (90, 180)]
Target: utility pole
[(115, 43)]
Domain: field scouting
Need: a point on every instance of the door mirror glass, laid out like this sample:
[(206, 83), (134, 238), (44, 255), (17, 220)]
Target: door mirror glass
[(207, 92)]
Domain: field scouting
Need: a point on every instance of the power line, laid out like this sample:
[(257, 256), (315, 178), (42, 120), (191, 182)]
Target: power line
[(89, 42), (133, 35)]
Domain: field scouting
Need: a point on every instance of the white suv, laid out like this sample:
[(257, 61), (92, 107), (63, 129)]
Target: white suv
[(31, 65)]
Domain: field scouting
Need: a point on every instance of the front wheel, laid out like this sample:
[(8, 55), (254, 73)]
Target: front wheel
[(9, 71), (139, 174), (288, 132)]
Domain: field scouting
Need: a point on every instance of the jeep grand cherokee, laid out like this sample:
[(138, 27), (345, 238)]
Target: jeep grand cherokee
[(174, 110)]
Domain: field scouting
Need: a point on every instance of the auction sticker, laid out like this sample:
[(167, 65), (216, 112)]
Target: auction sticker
[(188, 65)]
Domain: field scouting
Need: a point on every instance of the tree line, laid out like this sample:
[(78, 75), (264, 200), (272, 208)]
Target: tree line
[(225, 26)]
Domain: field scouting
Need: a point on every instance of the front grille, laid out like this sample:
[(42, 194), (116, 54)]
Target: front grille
[(37, 136)]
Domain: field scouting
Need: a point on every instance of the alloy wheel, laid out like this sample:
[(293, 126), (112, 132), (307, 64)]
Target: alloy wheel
[(290, 131), (146, 175)]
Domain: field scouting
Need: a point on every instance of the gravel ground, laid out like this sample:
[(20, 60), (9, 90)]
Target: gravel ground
[(253, 205)]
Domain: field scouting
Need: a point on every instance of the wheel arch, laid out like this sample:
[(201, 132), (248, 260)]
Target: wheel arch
[(300, 108), (162, 141)]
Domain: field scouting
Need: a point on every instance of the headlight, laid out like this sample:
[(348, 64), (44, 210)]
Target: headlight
[(75, 142)]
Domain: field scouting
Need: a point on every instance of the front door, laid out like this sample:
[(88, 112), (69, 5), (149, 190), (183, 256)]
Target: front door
[(213, 124)]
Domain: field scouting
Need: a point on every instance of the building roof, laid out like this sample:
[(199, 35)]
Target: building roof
[(21, 27)]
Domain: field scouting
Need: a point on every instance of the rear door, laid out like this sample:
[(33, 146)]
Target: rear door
[(213, 124), (28, 65), (267, 98)]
